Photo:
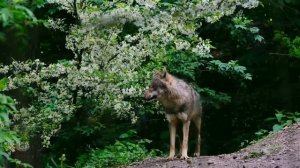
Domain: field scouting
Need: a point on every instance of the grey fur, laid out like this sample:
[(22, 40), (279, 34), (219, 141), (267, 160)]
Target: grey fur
[(181, 103)]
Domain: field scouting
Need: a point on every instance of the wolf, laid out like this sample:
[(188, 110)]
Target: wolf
[(181, 103)]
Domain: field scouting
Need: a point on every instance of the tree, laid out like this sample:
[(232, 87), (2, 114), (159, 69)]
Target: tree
[(116, 46)]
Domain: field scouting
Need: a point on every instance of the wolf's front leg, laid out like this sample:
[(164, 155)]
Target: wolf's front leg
[(172, 126), (184, 148)]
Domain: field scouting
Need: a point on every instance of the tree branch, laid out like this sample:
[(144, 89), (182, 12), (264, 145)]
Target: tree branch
[(75, 12), (282, 54)]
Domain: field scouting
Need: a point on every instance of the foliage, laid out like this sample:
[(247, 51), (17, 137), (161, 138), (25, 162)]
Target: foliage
[(8, 138), (261, 133), (213, 98), (230, 69), (274, 73), (112, 42), (80, 73), (283, 119), (61, 164), (244, 32), (16, 17), (15, 14), (187, 64), (18, 29), (120, 153), (292, 45)]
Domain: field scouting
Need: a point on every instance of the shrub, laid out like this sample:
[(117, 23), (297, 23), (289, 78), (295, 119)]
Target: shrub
[(120, 153)]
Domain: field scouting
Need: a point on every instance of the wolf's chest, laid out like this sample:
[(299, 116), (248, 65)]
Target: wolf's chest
[(173, 107), (180, 116)]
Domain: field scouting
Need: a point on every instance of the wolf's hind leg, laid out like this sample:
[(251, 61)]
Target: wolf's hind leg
[(180, 146), (197, 122)]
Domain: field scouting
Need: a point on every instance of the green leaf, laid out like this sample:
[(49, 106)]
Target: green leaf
[(241, 27), (124, 136), (4, 118), (121, 5), (289, 122), (279, 116), (19, 1), (4, 154), (258, 38), (3, 84), (145, 141), (277, 127), (12, 106), (248, 76), (5, 16), (254, 30), (29, 13), (261, 132), (3, 99), (297, 119), (270, 119)]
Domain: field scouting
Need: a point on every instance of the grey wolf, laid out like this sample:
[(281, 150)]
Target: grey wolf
[(181, 103)]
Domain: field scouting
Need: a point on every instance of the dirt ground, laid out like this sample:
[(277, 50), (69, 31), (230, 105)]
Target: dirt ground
[(280, 150)]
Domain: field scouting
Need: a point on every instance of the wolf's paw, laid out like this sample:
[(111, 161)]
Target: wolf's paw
[(184, 157), (196, 154), (171, 158)]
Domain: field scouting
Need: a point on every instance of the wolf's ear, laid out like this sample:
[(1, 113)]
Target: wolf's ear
[(157, 74), (164, 72)]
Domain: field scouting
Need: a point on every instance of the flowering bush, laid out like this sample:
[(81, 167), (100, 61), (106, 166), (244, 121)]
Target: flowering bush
[(116, 46), (8, 138)]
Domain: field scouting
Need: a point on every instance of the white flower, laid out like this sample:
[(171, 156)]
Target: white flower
[(111, 57), (182, 44)]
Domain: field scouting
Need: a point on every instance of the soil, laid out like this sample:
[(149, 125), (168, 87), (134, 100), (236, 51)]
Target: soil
[(279, 150)]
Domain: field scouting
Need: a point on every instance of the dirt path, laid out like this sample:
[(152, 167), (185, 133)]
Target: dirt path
[(280, 150)]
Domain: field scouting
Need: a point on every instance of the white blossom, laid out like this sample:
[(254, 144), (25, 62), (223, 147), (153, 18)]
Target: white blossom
[(57, 24), (108, 71)]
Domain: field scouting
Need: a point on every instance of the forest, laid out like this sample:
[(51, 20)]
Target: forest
[(73, 74)]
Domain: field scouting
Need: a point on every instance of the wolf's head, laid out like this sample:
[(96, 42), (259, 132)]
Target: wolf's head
[(158, 85)]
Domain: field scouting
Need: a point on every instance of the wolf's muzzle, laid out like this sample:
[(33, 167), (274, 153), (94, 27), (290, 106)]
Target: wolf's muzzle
[(148, 96)]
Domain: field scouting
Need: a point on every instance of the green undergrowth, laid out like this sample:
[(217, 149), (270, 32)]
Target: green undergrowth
[(122, 152)]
